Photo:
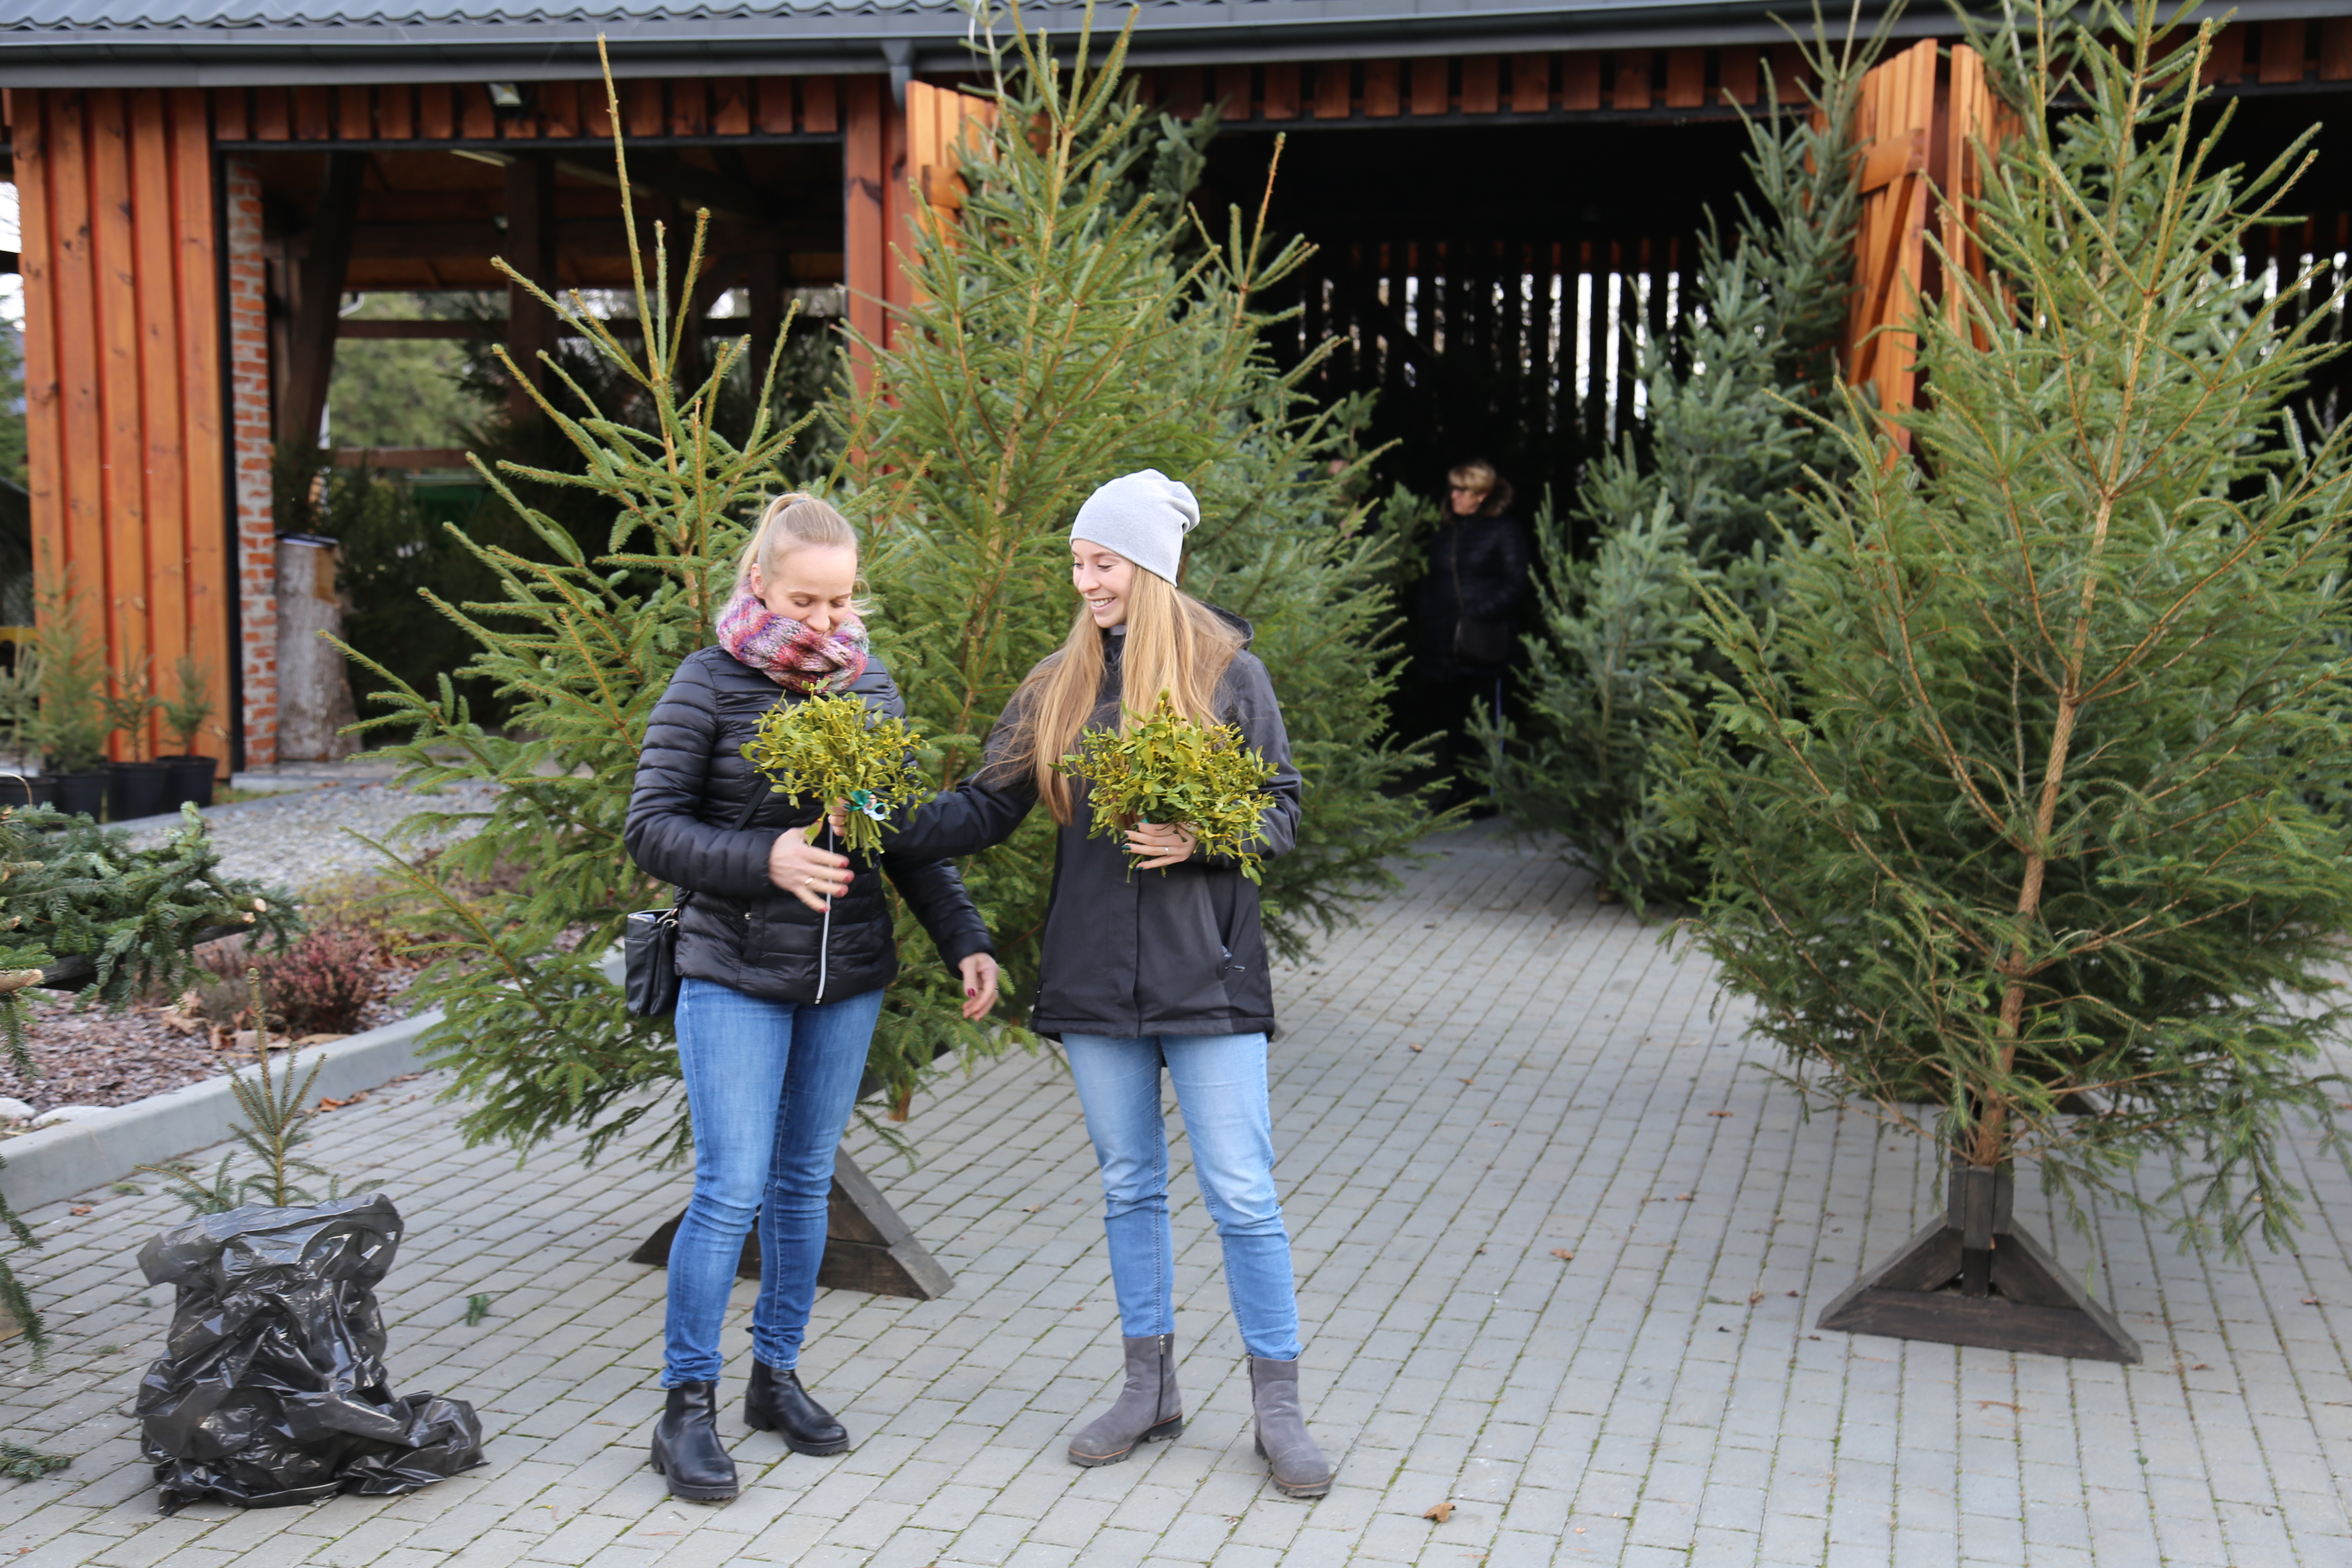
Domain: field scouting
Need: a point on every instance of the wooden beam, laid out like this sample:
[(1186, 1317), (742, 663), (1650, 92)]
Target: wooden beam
[(530, 250), (1382, 97), (319, 305), (866, 256), (211, 575)]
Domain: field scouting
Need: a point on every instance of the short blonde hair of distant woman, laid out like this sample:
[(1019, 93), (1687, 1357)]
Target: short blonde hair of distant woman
[(793, 520)]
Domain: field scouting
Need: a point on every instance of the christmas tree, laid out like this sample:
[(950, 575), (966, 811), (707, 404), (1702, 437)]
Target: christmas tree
[(1073, 322), (1063, 337), (1702, 498), (2044, 824)]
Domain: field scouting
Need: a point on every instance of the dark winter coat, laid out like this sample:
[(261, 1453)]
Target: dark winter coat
[(1143, 952), (1477, 575), (739, 927)]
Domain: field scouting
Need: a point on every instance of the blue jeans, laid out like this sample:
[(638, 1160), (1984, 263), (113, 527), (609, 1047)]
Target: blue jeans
[(771, 1085), (1221, 1085)]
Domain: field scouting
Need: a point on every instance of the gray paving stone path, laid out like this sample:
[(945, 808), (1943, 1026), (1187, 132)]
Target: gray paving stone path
[(1660, 1398)]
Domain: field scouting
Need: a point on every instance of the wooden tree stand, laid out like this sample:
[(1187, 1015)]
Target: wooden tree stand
[(867, 1245), (1972, 1277)]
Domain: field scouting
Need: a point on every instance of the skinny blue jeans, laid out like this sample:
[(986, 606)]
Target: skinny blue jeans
[(1221, 1086), (772, 1085)]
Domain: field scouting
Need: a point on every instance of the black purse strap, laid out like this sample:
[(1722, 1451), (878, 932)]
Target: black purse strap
[(751, 808)]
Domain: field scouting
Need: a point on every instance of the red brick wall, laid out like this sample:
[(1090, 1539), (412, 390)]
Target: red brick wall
[(256, 533)]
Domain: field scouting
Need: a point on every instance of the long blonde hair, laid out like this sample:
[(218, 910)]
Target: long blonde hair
[(1174, 644)]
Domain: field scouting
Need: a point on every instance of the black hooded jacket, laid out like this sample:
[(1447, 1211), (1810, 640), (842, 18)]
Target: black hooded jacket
[(739, 927), (1142, 953), (1477, 573)]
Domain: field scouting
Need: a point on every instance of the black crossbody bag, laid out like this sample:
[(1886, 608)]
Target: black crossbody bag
[(649, 943)]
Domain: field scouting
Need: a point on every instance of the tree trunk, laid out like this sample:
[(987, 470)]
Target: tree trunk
[(314, 688)]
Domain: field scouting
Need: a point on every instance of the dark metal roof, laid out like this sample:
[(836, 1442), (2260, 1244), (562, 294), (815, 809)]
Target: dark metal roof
[(231, 42), (238, 42)]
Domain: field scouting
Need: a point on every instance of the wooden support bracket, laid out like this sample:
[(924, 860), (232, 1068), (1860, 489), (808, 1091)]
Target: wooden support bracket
[(1972, 1277), (867, 1245)]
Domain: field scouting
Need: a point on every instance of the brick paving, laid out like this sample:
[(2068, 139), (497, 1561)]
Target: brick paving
[(1659, 1399)]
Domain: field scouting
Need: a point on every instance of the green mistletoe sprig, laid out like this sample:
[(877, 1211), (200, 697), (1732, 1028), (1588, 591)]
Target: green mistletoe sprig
[(1170, 770), (832, 748)]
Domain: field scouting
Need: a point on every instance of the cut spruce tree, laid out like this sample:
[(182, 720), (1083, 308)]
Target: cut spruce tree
[(2041, 850), (1004, 399), (1071, 323), (1700, 500)]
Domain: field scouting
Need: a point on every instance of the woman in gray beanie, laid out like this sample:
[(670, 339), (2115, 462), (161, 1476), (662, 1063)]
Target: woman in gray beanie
[(1144, 972)]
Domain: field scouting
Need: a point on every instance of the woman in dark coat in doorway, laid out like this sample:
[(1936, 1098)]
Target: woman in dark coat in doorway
[(1468, 609)]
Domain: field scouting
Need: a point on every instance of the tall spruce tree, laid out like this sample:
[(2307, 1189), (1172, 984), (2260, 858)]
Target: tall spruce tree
[(578, 648), (1074, 322), (1701, 498), (2044, 822), (1061, 337)]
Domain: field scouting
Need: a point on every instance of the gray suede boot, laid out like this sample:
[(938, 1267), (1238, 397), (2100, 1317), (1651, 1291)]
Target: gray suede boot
[(1149, 1408), (1298, 1466)]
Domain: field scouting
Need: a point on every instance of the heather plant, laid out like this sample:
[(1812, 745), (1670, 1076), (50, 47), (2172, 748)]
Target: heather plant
[(2044, 823), (322, 982)]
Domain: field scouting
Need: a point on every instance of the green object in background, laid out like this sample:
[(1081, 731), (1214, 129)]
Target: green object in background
[(477, 1306)]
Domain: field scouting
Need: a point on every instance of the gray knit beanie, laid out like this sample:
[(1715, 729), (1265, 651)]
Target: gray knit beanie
[(1143, 516)]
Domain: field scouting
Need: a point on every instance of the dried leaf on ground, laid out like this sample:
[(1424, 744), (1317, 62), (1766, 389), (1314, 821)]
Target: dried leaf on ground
[(1441, 1512)]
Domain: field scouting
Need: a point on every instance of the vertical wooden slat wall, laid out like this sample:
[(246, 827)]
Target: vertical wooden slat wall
[(122, 382)]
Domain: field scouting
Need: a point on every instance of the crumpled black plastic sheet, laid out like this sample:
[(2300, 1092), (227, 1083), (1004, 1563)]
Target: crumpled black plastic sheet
[(273, 1388)]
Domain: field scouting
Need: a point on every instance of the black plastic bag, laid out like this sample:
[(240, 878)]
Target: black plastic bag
[(273, 1388)]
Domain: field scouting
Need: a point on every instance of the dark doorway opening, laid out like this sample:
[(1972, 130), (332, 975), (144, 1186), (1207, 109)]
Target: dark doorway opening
[(1484, 280)]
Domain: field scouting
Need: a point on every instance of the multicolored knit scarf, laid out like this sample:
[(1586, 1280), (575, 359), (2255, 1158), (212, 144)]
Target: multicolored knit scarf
[(788, 652)]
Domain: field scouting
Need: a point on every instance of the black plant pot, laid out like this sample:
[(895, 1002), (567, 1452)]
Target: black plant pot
[(28, 789), (80, 794), (192, 781), (136, 789)]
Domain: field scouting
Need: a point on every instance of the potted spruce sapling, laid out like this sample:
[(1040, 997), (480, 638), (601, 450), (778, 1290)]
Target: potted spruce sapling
[(20, 704), (1168, 770), (70, 723), (2043, 851), (191, 775), (136, 786)]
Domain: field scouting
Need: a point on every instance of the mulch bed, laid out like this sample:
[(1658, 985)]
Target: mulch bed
[(88, 1057)]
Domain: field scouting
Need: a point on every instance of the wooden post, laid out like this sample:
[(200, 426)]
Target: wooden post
[(530, 250), (319, 302), (865, 257), (766, 287)]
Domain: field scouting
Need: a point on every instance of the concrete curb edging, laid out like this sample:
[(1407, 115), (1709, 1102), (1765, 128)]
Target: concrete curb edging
[(75, 1156)]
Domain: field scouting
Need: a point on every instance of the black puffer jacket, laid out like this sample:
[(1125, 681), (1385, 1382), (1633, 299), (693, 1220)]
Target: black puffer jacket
[(740, 929), (1147, 953), (1477, 573)]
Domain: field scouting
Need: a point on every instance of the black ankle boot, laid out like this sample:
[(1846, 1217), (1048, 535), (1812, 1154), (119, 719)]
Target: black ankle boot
[(687, 1450), (777, 1402)]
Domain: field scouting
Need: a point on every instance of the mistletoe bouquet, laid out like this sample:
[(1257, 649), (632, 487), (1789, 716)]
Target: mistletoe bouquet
[(1168, 769), (832, 748)]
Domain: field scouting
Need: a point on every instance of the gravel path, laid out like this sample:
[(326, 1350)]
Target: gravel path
[(305, 838)]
